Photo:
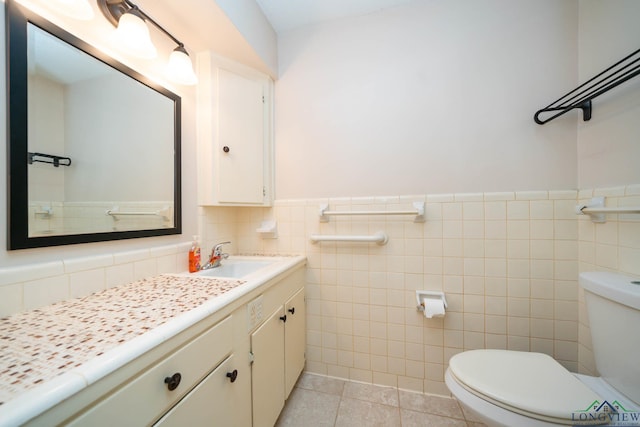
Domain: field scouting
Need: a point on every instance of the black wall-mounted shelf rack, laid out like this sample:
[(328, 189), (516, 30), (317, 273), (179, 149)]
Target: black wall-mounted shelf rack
[(582, 96), (48, 158)]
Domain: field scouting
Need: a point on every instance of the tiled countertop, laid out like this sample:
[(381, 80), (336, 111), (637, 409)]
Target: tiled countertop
[(51, 353), (38, 345)]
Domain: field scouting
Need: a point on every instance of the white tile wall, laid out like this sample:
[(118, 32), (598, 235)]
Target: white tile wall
[(32, 286), (508, 262), (46, 217), (612, 246)]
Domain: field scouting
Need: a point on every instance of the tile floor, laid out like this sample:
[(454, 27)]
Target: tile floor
[(319, 401)]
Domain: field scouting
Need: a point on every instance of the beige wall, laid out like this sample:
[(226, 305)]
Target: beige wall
[(508, 263), (608, 149), (427, 97), (371, 106)]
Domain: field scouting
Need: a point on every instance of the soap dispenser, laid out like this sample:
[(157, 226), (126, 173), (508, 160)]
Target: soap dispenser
[(194, 256)]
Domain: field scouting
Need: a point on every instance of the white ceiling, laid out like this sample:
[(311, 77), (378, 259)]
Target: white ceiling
[(286, 15)]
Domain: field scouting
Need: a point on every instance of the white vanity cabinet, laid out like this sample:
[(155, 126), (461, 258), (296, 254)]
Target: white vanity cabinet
[(210, 402), (267, 370), (295, 333), (235, 154), (233, 367), (278, 349), (193, 383)]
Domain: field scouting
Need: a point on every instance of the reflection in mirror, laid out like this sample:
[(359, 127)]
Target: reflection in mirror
[(120, 152), (101, 156)]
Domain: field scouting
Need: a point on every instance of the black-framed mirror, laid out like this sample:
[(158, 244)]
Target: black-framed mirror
[(93, 146)]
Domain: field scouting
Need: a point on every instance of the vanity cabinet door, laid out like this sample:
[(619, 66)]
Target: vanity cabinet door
[(278, 347), (240, 139), (294, 339), (150, 394), (235, 152), (209, 403), (267, 370)]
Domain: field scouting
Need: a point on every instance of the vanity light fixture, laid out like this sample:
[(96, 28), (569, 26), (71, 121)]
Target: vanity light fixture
[(180, 68), (77, 9), (133, 34)]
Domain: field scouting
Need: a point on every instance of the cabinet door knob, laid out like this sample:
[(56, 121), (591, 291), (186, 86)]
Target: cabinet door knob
[(283, 318), (292, 310), (226, 149), (173, 381), (232, 375)]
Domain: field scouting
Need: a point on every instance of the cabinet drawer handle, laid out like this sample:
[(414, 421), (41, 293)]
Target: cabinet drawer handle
[(173, 382), (292, 310), (226, 149), (283, 318), (232, 375)]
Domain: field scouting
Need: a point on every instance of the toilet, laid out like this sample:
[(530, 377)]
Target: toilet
[(525, 389)]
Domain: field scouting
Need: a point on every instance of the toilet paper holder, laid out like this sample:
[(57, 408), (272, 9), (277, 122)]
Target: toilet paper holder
[(421, 296)]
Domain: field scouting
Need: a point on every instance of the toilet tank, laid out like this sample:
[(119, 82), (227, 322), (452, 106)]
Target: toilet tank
[(613, 307)]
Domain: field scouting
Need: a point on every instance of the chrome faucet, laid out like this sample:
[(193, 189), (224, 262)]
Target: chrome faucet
[(216, 256)]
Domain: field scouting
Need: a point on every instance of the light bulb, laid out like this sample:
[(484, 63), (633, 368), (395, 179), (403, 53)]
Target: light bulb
[(133, 35), (180, 67)]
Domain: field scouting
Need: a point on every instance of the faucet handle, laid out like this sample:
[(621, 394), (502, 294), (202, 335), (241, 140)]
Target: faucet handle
[(216, 248)]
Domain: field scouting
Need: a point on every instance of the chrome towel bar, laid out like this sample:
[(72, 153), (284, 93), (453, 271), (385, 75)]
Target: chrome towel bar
[(418, 211), (597, 211), (380, 238), (161, 212)]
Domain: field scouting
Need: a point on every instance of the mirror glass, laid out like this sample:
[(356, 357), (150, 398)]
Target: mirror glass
[(97, 144)]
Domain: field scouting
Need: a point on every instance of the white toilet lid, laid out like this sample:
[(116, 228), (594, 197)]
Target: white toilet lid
[(532, 384)]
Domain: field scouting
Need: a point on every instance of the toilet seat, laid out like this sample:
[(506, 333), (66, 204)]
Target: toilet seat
[(531, 384)]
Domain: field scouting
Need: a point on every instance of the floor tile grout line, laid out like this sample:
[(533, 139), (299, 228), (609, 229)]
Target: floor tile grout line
[(335, 418), (399, 407)]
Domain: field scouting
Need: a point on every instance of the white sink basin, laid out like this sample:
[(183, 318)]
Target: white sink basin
[(236, 268)]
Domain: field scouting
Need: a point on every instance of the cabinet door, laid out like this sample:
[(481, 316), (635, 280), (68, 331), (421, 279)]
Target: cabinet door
[(294, 339), (240, 139), (145, 397), (267, 370), (209, 403)]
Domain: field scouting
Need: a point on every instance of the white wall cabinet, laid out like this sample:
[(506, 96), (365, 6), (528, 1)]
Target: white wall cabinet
[(235, 153), (278, 348)]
